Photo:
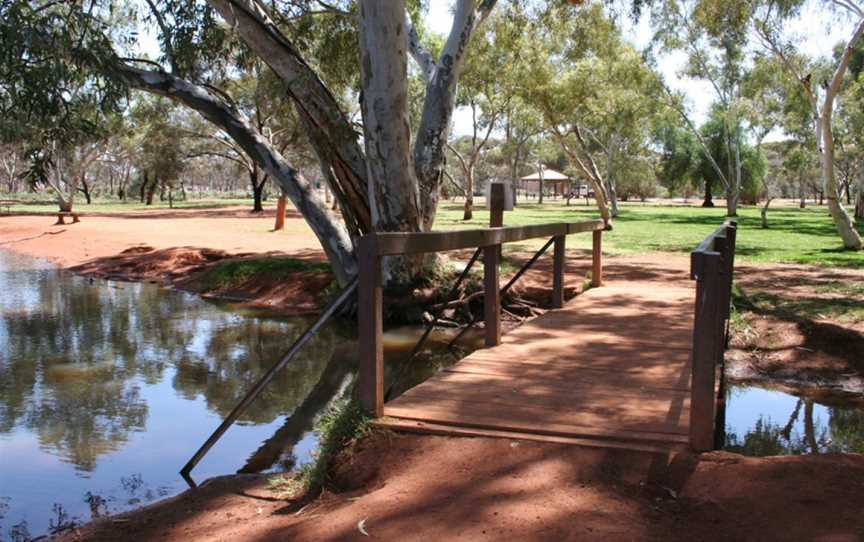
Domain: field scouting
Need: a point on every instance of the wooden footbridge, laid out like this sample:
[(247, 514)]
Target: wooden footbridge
[(634, 365)]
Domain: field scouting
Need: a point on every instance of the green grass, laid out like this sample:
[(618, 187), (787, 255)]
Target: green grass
[(233, 273), (801, 308), (805, 236), (338, 427)]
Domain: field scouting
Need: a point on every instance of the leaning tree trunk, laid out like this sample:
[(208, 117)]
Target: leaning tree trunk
[(330, 131), (610, 182), (326, 226), (845, 226)]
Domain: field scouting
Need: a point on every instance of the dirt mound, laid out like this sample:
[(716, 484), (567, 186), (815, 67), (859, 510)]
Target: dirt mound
[(146, 264)]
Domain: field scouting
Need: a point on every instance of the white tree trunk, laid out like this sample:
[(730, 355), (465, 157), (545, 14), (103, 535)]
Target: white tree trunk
[(393, 189), (845, 226)]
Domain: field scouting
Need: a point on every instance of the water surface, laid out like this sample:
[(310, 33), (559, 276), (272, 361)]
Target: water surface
[(107, 388), (763, 422)]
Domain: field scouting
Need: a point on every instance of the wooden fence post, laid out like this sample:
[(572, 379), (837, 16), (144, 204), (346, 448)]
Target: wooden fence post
[(558, 273), (492, 295), (706, 340), (280, 213), (370, 302), (596, 260)]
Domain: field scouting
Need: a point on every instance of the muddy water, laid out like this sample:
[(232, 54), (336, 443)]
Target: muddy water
[(107, 388), (761, 422)]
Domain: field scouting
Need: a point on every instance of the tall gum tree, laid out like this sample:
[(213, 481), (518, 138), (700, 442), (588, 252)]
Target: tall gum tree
[(593, 90), (770, 25)]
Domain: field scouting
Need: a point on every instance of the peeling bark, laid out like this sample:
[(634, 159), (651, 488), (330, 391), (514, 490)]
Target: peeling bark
[(384, 81), (434, 126)]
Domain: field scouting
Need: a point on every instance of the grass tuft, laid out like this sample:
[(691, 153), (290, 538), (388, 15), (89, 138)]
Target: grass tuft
[(342, 424), (234, 273)]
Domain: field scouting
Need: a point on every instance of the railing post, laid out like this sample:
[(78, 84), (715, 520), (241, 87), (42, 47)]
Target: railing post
[(558, 272), (596, 260), (371, 368), (492, 296), (706, 340)]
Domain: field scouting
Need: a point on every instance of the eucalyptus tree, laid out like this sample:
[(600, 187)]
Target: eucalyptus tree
[(488, 87), (714, 34), (523, 123), (596, 93), (680, 156), (822, 92), (392, 186)]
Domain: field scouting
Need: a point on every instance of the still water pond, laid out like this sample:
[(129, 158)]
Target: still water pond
[(107, 388), (762, 422)]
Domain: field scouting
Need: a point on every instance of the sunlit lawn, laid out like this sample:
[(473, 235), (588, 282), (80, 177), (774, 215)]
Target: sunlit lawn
[(794, 236)]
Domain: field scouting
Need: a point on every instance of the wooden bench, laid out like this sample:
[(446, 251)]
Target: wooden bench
[(66, 214), (8, 203)]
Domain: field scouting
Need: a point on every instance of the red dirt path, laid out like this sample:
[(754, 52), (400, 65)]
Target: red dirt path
[(407, 488), (233, 230)]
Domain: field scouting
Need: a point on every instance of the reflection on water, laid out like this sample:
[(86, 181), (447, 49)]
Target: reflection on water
[(762, 422), (107, 388)]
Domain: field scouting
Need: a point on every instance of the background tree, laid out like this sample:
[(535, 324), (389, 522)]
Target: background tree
[(714, 36), (821, 94)]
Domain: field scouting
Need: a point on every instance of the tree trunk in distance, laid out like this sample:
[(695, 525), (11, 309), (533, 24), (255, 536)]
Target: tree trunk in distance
[(142, 191), (859, 207), (764, 213), (802, 193), (151, 190), (257, 190), (468, 213), (709, 197)]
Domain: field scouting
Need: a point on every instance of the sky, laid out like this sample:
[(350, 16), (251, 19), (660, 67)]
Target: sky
[(818, 32)]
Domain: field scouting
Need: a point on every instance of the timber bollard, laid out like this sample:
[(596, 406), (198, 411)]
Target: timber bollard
[(280, 214), (596, 260)]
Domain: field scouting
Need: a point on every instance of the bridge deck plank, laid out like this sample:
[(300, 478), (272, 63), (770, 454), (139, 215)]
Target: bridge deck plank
[(611, 368)]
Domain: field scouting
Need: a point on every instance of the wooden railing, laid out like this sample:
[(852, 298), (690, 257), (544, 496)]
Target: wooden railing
[(375, 246), (711, 266)]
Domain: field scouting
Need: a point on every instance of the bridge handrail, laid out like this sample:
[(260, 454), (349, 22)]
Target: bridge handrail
[(712, 266), (398, 243), (372, 247)]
